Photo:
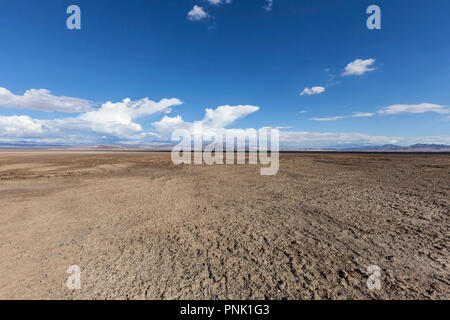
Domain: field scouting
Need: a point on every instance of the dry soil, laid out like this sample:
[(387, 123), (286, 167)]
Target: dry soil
[(140, 227)]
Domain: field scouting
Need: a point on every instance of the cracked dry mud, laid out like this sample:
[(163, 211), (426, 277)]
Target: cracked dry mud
[(141, 228)]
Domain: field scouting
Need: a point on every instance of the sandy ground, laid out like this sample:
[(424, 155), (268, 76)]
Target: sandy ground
[(141, 228)]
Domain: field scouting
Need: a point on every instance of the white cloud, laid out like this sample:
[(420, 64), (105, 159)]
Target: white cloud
[(393, 110), (42, 100), (197, 13), (358, 67), (362, 114), (223, 116), (167, 125), (127, 110), (116, 123), (354, 115), (269, 5), (20, 126), (217, 2), (328, 118), (114, 120), (414, 108), (313, 90), (215, 120)]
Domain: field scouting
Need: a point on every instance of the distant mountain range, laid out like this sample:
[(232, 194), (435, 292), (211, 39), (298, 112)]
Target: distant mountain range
[(167, 147), (393, 147)]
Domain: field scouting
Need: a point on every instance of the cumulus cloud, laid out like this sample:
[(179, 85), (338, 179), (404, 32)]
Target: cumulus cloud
[(358, 67), (127, 110), (42, 100), (116, 121), (414, 108), (269, 5), (167, 125), (117, 118), (20, 126), (223, 116), (197, 13), (214, 121), (312, 91)]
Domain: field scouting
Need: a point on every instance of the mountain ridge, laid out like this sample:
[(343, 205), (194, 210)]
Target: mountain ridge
[(418, 147)]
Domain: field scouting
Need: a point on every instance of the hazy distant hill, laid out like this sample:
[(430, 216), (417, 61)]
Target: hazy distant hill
[(167, 147), (393, 147), (107, 147)]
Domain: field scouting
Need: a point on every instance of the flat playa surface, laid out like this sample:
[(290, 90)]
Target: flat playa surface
[(141, 228)]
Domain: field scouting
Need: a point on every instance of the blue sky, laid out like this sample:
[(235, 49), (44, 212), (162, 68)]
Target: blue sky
[(246, 61)]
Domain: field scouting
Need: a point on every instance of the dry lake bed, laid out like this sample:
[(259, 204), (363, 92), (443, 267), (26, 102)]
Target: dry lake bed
[(140, 227)]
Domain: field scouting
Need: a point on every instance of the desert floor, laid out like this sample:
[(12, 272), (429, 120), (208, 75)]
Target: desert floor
[(142, 228)]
